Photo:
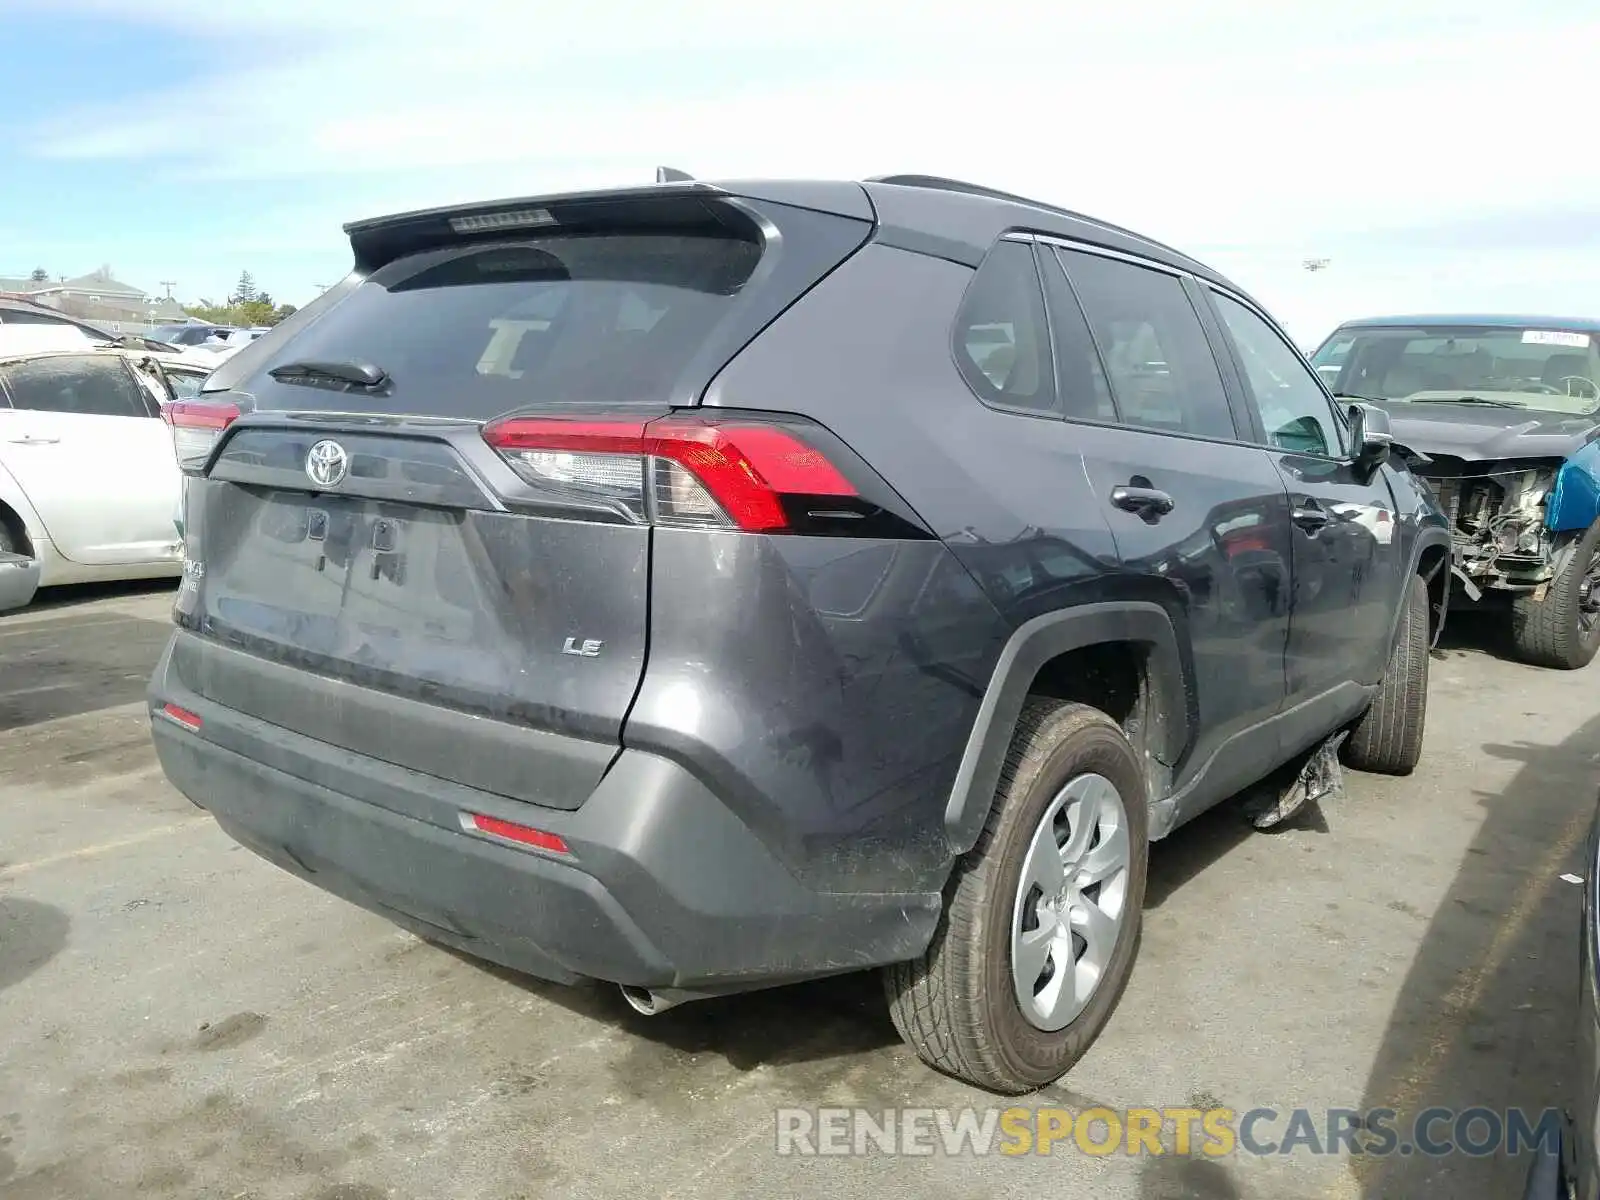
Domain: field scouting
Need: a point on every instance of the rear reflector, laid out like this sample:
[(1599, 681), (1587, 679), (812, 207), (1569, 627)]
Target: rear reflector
[(196, 426), (181, 716), (678, 471), (512, 832)]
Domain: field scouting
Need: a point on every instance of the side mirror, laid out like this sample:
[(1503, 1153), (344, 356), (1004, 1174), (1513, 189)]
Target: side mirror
[(1370, 437)]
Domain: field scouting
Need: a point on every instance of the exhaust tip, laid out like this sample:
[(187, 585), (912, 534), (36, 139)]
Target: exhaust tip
[(641, 1000)]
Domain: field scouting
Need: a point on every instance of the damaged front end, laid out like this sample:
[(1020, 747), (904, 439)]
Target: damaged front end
[(1501, 529)]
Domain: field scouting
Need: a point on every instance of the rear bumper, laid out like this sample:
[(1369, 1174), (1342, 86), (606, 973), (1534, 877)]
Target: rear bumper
[(19, 579), (663, 887)]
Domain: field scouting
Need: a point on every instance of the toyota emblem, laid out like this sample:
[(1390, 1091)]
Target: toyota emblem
[(327, 464)]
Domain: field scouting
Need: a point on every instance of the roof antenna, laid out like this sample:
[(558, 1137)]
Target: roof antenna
[(673, 175)]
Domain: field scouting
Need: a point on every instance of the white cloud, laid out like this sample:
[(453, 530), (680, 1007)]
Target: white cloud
[(1277, 127)]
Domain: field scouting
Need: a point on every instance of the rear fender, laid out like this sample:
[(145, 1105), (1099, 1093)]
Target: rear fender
[(1574, 502), (1029, 648), (13, 497)]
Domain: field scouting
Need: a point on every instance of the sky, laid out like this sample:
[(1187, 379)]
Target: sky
[(1441, 155)]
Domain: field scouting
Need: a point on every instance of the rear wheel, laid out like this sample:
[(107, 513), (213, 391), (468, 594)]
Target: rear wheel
[(1388, 737), (1041, 919), (1561, 628)]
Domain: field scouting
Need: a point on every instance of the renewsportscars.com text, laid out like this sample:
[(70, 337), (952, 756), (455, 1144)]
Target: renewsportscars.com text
[(1210, 1132)]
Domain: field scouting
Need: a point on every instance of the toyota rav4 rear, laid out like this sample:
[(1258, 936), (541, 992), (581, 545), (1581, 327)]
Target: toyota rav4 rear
[(699, 588), (485, 626)]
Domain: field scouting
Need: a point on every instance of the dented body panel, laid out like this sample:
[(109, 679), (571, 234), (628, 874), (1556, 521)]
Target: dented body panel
[(1574, 502)]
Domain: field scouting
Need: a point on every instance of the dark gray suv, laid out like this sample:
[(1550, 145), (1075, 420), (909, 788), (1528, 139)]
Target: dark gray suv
[(703, 587)]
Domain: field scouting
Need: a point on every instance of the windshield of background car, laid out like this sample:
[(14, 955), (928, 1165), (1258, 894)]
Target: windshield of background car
[(479, 331), (1554, 370)]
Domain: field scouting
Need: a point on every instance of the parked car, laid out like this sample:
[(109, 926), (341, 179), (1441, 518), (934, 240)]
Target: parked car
[(1508, 409), (701, 588), (28, 326), (88, 477), (193, 334), (1570, 1170)]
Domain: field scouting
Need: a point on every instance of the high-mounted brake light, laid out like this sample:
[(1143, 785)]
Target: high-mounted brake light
[(525, 218), (196, 426), (680, 471)]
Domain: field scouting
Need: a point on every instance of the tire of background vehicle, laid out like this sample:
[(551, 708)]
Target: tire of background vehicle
[(1388, 737), (957, 1005), (1547, 633)]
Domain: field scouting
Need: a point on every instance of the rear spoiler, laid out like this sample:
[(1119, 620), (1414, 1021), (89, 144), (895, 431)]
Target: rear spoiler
[(686, 205)]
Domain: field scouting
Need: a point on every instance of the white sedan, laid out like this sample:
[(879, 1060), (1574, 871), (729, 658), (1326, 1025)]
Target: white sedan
[(89, 484)]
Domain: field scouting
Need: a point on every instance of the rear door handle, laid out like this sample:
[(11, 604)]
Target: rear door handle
[(1148, 502), (1310, 516), (35, 441)]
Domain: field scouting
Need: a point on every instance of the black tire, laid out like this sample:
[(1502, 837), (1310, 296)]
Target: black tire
[(1388, 737), (956, 1006), (1562, 630)]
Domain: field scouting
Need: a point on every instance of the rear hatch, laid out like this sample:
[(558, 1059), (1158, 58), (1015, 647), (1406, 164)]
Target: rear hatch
[(367, 567)]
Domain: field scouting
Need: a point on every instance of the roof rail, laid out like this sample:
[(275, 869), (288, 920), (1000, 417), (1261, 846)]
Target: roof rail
[(939, 183)]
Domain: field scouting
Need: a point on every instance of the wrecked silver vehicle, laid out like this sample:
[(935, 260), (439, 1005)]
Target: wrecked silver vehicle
[(1502, 415)]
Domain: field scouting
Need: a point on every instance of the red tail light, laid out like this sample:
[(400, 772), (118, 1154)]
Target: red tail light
[(512, 832), (196, 426), (180, 716), (682, 471)]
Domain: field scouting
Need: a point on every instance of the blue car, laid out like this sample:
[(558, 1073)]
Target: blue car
[(1501, 415)]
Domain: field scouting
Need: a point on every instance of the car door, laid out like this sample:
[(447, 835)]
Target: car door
[(1199, 513), (88, 448), (1347, 569)]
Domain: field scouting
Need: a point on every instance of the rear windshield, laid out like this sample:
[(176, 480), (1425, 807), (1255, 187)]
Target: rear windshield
[(476, 331)]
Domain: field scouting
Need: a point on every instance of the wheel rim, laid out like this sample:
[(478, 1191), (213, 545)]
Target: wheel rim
[(1070, 901)]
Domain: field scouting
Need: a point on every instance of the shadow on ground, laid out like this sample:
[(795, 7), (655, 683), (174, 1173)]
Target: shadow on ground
[(840, 1017), (1485, 630), (64, 668), (1486, 1013), (53, 598), (31, 934)]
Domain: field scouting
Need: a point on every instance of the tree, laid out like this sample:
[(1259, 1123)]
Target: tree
[(256, 312), (212, 313), (245, 290), (40, 275)]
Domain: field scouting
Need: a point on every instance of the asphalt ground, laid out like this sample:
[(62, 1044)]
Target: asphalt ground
[(180, 1019)]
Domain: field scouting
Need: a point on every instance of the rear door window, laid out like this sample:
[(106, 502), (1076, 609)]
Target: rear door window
[(476, 331), (95, 387), (1155, 351), (1002, 339)]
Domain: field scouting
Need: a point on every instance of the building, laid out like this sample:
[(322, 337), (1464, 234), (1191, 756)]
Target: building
[(98, 297)]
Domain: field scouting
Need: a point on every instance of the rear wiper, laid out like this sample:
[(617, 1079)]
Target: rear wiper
[(361, 375), (1465, 400)]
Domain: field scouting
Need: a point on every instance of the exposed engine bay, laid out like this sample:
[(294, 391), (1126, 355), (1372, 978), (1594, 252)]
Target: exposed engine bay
[(1497, 519)]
